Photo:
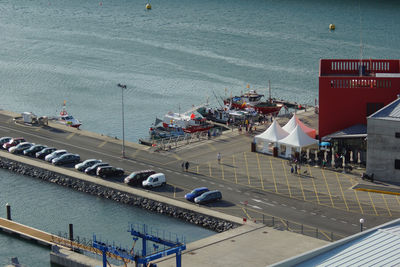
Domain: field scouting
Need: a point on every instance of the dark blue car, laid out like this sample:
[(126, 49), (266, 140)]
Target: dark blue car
[(195, 193)]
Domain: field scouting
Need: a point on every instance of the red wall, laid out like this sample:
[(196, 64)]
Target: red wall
[(343, 96)]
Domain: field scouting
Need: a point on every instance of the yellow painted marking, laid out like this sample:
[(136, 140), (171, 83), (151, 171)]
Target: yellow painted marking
[(259, 170), (70, 136), (211, 146), (198, 169), (176, 156), (102, 144), (327, 187), (245, 212), (209, 167), (341, 190), (315, 188), (327, 236), (284, 223), (379, 192), (234, 167), (37, 130), (273, 175), (358, 200), (174, 191), (247, 167), (387, 207), (372, 203), (287, 180), (222, 169)]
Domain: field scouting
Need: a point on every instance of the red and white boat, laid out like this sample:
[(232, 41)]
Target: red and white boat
[(189, 124), (67, 119), (252, 99)]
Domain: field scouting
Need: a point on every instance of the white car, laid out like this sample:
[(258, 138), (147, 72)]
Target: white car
[(155, 180), (55, 154)]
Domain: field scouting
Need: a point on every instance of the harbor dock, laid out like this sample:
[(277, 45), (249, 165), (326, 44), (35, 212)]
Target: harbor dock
[(266, 219)]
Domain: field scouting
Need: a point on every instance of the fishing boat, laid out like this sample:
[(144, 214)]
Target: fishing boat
[(189, 124), (224, 115), (252, 99)]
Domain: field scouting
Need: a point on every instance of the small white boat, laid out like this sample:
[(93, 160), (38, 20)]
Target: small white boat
[(67, 119)]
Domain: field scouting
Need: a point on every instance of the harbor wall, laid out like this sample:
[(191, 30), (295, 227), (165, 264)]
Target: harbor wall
[(195, 217)]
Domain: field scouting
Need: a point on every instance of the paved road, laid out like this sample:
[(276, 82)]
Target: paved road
[(236, 196)]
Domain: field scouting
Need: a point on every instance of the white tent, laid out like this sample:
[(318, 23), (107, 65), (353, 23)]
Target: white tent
[(296, 140), (291, 124), (269, 138)]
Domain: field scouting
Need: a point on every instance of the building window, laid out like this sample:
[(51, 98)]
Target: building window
[(397, 135), (373, 107), (397, 164)]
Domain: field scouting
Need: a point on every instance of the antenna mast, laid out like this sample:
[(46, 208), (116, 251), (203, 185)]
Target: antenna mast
[(361, 45), (269, 89)]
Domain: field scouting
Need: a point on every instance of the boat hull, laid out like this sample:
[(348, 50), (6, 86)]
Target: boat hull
[(262, 109)]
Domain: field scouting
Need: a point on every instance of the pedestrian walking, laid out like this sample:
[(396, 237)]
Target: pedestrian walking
[(183, 166), (295, 169), (187, 165), (291, 170), (219, 157)]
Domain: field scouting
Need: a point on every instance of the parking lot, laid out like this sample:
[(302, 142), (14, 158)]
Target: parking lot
[(312, 184)]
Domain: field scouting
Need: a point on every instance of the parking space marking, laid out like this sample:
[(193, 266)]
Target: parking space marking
[(247, 194), (70, 136), (358, 200), (247, 167), (273, 176), (141, 163), (315, 188), (372, 203), (287, 180), (222, 169), (387, 207), (234, 167), (327, 187), (341, 190), (259, 170)]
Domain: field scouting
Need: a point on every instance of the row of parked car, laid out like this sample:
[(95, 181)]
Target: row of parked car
[(145, 178)]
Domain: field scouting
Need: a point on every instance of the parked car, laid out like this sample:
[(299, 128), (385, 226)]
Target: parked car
[(55, 154), (44, 152), (4, 140), (155, 180), (137, 178), (109, 171), (18, 149), (87, 163), (13, 142), (33, 149), (195, 193), (66, 159), (92, 169), (209, 196)]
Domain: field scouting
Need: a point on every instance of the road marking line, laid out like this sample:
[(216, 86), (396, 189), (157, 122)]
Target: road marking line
[(209, 167), (359, 204), (234, 167), (212, 147), (312, 213), (247, 194), (37, 130), (259, 171), (275, 202), (174, 192), (168, 170), (238, 191), (383, 196), (323, 216), (245, 212), (343, 222), (327, 187), (203, 180), (212, 183), (340, 186), (176, 172), (294, 208), (256, 207), (176, 156), (247, 167), (141, 163), (287, 180), (303, 210), (222, 169), (266, 203), (354, 224), (220, 185), (302, 189), (284, 205), (372, 202), (134, 154), (194, 178), (70, 136), (186, 175), (315, 188), (230, 188), (333, 219), (273, 176)]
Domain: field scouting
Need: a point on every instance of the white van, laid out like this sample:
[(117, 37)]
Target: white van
[(155, 180)]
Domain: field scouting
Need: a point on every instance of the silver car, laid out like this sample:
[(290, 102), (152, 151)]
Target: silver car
[(55, 154)]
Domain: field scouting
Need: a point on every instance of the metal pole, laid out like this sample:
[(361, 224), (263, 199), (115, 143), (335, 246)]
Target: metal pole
[(71, 232), (123, 86)]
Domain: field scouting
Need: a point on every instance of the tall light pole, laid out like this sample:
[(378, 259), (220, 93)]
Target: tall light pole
[(123, 86), (361, 224)]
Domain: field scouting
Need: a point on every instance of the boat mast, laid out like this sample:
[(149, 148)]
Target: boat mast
[(269, 89)]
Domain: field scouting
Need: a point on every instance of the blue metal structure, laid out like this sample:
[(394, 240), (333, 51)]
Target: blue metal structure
[(142, 260)]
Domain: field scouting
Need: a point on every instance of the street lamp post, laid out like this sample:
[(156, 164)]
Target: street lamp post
[(123, 86), (361, 224)]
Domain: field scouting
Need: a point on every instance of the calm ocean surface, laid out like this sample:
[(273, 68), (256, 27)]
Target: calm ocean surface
[(171, 57)]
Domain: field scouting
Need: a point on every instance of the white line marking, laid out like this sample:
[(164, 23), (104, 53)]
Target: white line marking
[(247, 194), (284, 205), (354, 224), (312, 213), (194, 178), (303, 210), (343, 222), (323, 216), (260, 201), (333, 219), (203, 180), (212, 182), (151, 166), (220, 185), (141, 163), (230, 188), (238, 191), (186, 175), (294, 208), (168, 170), (275, 202), (257, 207)]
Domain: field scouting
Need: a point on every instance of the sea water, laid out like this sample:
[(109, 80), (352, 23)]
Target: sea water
[(176, 55), (51, 208)]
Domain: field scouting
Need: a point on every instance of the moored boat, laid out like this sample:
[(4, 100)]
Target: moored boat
[(189, 124), (67, 119)]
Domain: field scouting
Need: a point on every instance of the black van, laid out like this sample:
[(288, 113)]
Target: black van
[(136, 178)]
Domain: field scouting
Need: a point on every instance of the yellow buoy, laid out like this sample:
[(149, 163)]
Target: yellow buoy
[(148, 6), (331, 27)]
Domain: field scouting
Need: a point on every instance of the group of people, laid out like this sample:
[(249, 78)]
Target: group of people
[(185, 166)]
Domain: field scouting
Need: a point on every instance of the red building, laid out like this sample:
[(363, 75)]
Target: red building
[(350, 90)]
